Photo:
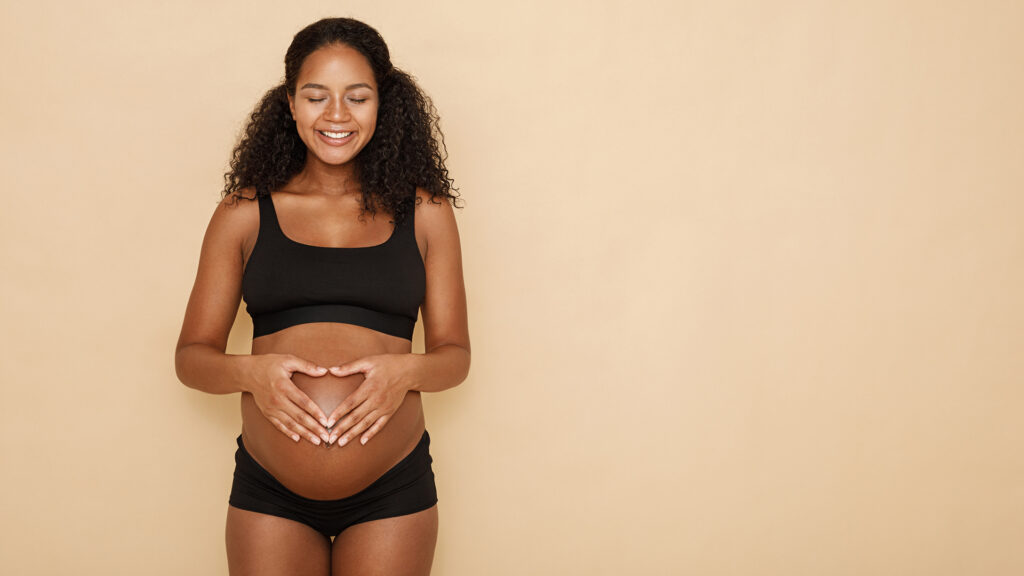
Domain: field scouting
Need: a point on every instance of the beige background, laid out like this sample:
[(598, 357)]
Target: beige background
[(744, 281)]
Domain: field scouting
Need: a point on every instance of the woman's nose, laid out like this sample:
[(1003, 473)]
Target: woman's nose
[(337, 111)]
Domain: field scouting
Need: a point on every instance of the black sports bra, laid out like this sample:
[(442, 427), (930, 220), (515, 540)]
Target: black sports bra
[(378, 287)]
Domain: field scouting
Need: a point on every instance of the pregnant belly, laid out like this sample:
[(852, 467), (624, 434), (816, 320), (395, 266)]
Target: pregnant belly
[(328, 472)]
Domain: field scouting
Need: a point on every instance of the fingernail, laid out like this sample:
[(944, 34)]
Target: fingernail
[(333, 438), (295, 437), (343, 441), (325, 437), (330, 423), (324, 423), (363, 441), (316, 440)]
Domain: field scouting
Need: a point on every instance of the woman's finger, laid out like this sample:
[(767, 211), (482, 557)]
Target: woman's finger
[(351, 368), (295, 364), (375, 428), (290, 426), (356, 430), (297, 426), (284, 429), (348, 404), (341, 428), (305, 403), (311, 427), (345, 425)]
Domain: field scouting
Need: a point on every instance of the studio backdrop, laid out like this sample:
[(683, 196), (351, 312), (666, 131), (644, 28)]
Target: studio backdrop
[(744, 282)]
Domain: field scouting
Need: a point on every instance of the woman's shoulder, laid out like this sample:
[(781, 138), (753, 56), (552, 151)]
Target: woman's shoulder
[(429, 209), (435, 217), (236, 216), (427, 202)]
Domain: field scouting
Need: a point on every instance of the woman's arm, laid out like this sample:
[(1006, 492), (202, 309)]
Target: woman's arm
[(445, 363), (199, 358)]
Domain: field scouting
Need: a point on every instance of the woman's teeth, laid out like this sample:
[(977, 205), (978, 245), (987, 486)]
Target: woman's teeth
[(335, 134)]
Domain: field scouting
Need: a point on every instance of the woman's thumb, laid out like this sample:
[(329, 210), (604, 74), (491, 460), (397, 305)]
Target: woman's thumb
[(347, 369), (307, 367)]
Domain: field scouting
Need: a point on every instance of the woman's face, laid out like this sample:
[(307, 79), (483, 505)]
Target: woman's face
[(335, 103)]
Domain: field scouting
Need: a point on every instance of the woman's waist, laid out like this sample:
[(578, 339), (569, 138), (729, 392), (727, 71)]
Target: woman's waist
[(331, 471)]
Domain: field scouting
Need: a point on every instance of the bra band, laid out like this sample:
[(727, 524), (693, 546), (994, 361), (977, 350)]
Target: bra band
[(393, 324)]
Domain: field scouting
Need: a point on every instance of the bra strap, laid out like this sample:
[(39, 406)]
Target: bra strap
[(268, 217)]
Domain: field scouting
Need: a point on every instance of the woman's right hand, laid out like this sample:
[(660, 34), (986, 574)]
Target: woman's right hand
[(281, 401)]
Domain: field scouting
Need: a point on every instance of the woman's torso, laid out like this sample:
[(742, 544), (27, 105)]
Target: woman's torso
[(329, 471)]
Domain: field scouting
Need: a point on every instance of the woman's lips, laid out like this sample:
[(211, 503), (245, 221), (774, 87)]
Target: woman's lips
[(336, 141)]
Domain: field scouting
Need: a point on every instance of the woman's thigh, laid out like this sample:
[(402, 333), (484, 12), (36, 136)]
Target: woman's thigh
[(396, 546), (265, 545)]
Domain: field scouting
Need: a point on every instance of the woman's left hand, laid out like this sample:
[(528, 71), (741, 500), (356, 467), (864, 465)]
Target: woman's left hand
[(369, 407)]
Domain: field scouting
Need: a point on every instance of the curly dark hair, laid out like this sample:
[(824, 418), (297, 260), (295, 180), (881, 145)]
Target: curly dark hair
[(406, 151)]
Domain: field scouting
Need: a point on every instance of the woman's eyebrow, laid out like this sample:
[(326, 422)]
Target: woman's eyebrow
[(322, 87)]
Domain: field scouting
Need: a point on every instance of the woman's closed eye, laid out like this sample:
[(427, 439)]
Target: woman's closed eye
[(356, 100)]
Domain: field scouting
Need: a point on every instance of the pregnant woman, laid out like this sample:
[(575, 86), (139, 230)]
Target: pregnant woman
[(337, 228)]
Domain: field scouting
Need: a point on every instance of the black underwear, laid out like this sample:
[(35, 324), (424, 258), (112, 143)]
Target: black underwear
[(406, 488)]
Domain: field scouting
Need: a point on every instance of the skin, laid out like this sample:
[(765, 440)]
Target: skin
[(327, 407)]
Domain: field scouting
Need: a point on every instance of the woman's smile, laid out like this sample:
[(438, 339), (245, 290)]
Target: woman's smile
[(336, 138)]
